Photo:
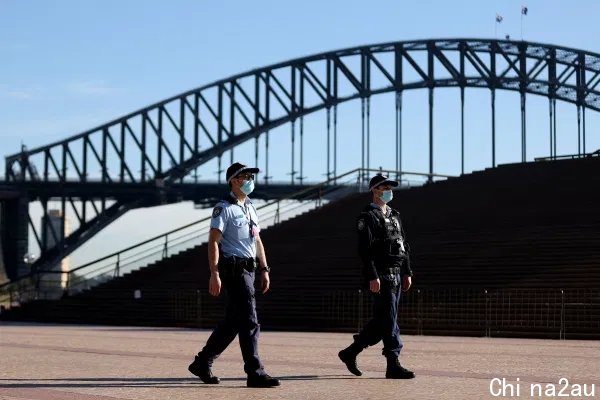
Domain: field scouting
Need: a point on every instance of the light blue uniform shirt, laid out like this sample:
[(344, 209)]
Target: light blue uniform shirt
[(238, 224)]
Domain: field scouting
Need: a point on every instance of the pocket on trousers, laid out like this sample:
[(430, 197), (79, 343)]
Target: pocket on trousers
[(389, 279), (230, 273)]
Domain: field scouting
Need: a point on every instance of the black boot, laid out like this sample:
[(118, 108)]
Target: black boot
[(262, 381), (201, 369), (396, 371), (348, 357)]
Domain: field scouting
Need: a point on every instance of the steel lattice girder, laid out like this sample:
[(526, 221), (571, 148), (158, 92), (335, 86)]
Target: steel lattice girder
[(190, 129)]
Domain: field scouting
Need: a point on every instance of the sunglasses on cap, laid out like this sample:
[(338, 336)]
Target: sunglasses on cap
[(246, 177), (383, 187)]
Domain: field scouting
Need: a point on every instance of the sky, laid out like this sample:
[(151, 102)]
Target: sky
[(69, 65)]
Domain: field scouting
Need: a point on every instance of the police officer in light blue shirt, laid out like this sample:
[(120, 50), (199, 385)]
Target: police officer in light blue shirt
[(234, 246), (238, 224)]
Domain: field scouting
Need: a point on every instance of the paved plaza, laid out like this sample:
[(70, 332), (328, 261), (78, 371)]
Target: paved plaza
[(70, 362)]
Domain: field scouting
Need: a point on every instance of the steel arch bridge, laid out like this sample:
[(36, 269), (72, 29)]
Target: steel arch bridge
[(142, 158)]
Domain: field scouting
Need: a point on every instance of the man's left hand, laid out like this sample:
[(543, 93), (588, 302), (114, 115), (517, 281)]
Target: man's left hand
[(406, 283), (265, 281)]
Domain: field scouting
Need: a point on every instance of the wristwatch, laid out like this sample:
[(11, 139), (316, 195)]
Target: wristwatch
[(266, 268)]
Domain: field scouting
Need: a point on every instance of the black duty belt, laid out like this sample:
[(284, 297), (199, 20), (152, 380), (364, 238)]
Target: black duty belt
[(392, 270), (249, 264)]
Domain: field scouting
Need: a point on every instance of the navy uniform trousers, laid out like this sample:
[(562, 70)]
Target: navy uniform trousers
[(384, 323), (240, 319)]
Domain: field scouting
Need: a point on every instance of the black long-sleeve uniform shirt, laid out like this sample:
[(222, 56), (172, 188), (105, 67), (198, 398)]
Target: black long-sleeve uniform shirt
[(381, 246)]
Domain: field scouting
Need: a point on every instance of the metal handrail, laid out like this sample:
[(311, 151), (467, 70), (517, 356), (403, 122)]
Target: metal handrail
[(569, 156), (163, 246)]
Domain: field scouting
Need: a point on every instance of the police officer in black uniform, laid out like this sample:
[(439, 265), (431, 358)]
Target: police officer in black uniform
[(386, 268), (234, 247)]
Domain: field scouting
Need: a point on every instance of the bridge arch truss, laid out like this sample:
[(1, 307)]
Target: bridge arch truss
[(153, 149)]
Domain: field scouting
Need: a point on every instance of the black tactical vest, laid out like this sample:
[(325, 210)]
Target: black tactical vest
[(387, 236)]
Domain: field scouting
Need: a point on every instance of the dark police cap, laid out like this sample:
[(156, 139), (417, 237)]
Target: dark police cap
[(236, 168), (380, 179)]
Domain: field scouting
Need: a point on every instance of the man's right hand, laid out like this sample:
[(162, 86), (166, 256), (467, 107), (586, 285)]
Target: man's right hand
[(214, 284), (374, 285)]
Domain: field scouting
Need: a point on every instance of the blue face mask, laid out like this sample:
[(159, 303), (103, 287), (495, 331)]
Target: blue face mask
[(247, 187), (387, 196)]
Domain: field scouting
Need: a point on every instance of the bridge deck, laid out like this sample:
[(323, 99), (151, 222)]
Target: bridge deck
[(41, 362)]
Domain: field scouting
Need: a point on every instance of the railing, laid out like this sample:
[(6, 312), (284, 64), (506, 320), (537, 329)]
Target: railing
[(54, 284), (544, 313), (556, 313), (569, 156)]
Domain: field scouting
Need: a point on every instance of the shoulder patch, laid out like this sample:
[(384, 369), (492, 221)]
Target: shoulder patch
[(217, 211), (361, 224)]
